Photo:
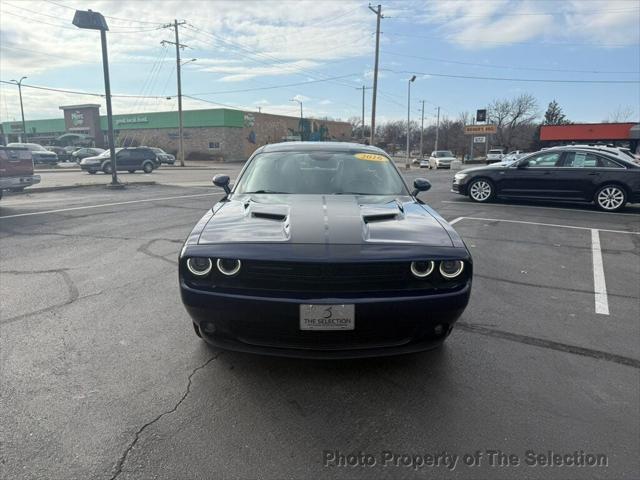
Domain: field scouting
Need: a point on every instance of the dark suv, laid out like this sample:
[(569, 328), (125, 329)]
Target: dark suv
[(129, 159)]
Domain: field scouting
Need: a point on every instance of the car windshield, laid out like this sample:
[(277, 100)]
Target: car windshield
[(107, 153), (444, 153), (157, 150), (321, 172)]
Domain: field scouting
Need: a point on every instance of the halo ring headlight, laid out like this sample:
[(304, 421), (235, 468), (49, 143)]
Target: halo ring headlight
[(199, 266), (422, 269), (228, 267), (451, 268)]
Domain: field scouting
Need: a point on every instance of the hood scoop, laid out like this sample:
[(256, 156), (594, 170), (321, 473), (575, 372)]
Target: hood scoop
[(381, 214), (277, 213)]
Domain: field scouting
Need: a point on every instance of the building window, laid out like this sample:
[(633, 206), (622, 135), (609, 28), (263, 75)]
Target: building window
[(214, 145)]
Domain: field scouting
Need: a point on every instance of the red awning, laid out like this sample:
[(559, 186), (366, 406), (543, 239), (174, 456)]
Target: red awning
[(586, 131)]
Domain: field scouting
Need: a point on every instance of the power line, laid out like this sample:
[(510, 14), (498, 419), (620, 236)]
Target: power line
[(536, 80), (512, 67), (491, 42), (76, 92), (448, 16), (272, 87), (106, 16)]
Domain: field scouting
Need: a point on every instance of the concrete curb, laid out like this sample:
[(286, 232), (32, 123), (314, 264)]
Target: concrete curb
[(76, 185)]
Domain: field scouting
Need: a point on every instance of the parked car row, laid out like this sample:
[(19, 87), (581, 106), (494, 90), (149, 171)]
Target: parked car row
[(607, 177)]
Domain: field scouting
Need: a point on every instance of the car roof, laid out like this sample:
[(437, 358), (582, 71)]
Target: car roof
[(606, 152), (315, 146)]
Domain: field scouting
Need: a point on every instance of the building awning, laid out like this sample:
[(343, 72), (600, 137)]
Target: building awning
[(634, 133), (586, 131)]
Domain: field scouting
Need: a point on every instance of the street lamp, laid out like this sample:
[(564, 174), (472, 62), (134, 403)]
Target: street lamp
[(19, 83), (301, 117), (189, 61), (95, 21), (411, 80)]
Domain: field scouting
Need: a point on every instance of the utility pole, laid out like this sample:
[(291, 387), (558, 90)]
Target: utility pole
[(437, 130), (411, 80), (379, 16), (421, 129), (178, 45), (362, 136), (24, 128)]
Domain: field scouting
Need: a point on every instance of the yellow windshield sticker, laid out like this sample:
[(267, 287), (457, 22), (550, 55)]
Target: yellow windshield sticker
[(371, 157)]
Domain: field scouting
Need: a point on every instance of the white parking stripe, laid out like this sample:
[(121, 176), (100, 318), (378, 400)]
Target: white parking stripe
[(599, 283), (536, 207), (455, 220), (84, 207), (547, 225)]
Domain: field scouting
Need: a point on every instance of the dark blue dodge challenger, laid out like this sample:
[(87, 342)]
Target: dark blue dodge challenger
[(320, 250)]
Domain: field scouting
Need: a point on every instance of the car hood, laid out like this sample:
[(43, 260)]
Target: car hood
[(323, 219), (484, 168), (448, 159), (42, 153)]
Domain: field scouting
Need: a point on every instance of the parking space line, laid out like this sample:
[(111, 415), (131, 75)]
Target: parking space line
[(112, 204), (546, 224), (537, 207), (599, 283), (455, 220)]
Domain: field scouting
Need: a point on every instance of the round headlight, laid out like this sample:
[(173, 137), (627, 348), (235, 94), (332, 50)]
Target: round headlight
[(228, 267), (451, 268), (422, 269), (199, 266)]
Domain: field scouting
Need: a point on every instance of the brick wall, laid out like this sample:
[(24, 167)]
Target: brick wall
[(232, 144)]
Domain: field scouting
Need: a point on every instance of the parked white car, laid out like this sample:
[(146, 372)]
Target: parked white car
[(512, 156), (439, 159), (495, 155)]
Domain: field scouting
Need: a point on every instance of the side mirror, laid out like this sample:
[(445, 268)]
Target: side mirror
[(523, 164), (222, 181), (420, 185)]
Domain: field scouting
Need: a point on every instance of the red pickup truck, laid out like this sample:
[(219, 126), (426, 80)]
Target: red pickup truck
[(16, 169)]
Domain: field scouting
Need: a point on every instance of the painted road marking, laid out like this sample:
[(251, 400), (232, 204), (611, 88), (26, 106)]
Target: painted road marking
[(468, 203), (455, 220), (599, 283), (547, 225), (112, 204)]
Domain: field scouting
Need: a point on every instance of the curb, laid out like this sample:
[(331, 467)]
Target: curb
[(77, 185)]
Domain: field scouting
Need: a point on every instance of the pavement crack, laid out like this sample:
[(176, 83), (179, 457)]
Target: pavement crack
[(123, 458), (144, 248), (550, 344)]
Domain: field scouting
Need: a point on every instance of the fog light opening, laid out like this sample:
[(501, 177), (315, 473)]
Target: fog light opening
[(228, 267), (422, 269), (208, 328), (199, 266), (451, 268)]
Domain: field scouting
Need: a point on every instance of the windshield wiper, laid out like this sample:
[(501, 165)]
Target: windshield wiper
[(263, 191)]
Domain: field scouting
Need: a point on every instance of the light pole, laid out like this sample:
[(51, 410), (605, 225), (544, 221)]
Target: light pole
[(95, 21), (421, 128), (437, 129), (24, 128), (301, 116), (411, 80)]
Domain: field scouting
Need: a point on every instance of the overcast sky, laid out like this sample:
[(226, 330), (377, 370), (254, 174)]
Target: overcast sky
[(322, 52)]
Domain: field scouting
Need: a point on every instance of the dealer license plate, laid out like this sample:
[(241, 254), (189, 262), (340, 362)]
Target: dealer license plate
[(327, 317)]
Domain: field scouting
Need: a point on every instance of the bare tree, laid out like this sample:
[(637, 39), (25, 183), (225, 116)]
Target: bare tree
[(620, 114), (513, 118)]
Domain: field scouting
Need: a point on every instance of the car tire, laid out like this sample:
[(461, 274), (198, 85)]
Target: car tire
[(91, 172), (106, 168), (132, 171), (196, 328), (610, 198), (17, 189), (147, 168), (481, 190)]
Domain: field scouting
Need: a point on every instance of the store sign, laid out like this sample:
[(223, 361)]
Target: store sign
[(479, 139), (16, 127), (249, 120), (479, 129), (77, 118), (129, 120)]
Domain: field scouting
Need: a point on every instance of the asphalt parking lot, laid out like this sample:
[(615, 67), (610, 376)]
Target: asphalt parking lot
[(103, 378)]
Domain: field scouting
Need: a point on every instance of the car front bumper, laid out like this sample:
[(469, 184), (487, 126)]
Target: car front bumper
[(271, 325), (459, 188)]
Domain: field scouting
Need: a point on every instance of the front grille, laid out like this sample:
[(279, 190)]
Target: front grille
[(328, 277)]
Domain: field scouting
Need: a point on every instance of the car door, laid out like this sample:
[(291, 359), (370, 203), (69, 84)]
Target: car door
[(124, 160), (533, 177), (579, 174)]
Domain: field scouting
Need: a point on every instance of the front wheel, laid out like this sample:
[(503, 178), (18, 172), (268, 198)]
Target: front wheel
[(92, 172), (147, 168), (106, 168), (132, 171), (481, 190), (610, 198)]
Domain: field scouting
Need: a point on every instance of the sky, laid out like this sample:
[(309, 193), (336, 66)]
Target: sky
[(264, 55)]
